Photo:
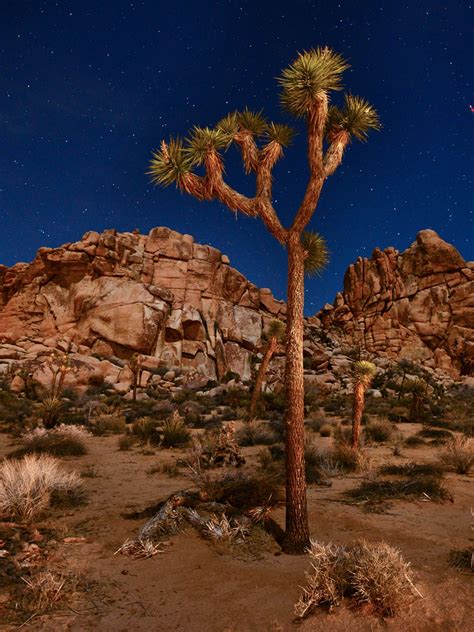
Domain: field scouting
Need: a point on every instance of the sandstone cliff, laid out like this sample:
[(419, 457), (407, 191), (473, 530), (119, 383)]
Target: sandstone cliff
[(178, 303), (418, 305)]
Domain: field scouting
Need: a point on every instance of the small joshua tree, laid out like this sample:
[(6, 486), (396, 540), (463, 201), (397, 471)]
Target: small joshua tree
[(363, 373), (135, 364), (306, 85), (419, 392), (275, 335)]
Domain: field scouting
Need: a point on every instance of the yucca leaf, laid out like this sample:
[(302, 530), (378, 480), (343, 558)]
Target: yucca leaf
[(317, 253), (276, 329), (313, 72), (229, 124), (357, 117), (169, 163), (363, 372), (253, 122), (282, 134), (202, 141)]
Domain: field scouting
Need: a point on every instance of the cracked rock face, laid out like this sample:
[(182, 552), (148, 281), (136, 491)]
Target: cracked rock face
[(418, 305), (176, 302)]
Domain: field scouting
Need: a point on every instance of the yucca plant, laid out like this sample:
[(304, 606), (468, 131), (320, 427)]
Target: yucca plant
[(305, 87), (50, 410), (419, 391), (363, 372)]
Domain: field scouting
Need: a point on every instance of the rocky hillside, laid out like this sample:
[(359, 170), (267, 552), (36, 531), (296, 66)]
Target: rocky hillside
[(176, 302), (417, 305)]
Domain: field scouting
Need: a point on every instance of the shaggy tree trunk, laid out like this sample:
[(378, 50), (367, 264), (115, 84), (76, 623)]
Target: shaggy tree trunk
[(358, 410), (297, 531), (262, 371)]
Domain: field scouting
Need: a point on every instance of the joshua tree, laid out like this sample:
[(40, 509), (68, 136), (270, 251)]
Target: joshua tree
[(419, 391), (363, 373), (305, 84), (275, 335), (135, 364)]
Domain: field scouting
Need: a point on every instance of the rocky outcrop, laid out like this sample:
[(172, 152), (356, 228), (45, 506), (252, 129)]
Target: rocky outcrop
[(417, 305), (176, 302)]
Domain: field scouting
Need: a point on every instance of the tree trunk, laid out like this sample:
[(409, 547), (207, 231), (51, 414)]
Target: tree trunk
[(297, 530), (262, 371), (357, 412)]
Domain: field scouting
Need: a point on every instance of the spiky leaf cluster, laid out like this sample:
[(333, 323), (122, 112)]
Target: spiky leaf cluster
[(203, 140), (317, 253), (363, 372), (276, 329), (418, 387), (170, 163), (357, 118), (229, 124), (253, 122), (313, 72), (282, 134)]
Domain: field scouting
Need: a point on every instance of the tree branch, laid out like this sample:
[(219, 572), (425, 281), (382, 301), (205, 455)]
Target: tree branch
[(316, 121), (335, 152), (249, 150)]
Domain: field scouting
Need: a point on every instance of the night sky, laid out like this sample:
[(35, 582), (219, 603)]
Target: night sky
[(88, 89)]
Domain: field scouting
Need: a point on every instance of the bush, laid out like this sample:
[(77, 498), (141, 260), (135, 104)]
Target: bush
[(435, 433), (378, 431), (346, 458), (105, 423), (413, 469), (417, 487), (147, 430), (125, 442), (459, 454), (175, 432), (342, 435), (368, 573), (30, 485), (243, 491), (60, 441), (255, 433)]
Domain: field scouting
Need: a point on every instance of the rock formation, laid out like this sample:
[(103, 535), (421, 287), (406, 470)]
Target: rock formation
[(176, 302), (417, 305)]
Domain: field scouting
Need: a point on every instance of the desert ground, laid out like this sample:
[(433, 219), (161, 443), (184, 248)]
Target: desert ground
[(199, 585)]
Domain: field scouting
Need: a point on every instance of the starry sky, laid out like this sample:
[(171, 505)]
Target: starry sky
[(88, 90)]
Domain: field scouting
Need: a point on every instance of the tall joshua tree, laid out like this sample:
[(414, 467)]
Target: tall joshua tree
[(305, 87), (363, 373)]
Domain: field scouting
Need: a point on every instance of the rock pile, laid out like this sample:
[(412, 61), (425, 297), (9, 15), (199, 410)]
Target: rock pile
[(178, 303), (418, 305)]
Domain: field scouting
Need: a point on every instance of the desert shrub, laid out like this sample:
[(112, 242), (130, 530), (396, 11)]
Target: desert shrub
[(462, 558), (326, 430), (243, 491), (347, 459), (255, 433), (459, 454), (108, 421), (125, 442), (278, 427), (342, 434), (30, 485), (63, 440), (147, 430), (136, 410), (230, 375), (175, 432), (44, 591), (435, 433), (274, 401), (378, 431), (414, 441), (315, 422), (312, 462), (375, 491), (413, 469), (368, 573)]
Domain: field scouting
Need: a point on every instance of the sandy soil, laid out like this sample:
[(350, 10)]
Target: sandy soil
[(191, 587)]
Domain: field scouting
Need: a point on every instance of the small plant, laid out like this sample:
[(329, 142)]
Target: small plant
[(107, 421), (459, 454), (125, 442), (363, 372), (45, 590), (416, 487), (368, 573), (414, 441), (175, 432), (378, 431), (60, 441), (147, 430), (50, 410), (254, 433), (413, 469), (29, 486)]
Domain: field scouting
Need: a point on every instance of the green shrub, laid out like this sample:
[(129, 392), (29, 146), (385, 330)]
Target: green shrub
[(61, 441), (147, 430), (108, 423), (255, 433), (175, 432)]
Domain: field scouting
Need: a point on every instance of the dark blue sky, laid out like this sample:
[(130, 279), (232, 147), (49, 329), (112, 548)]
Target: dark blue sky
[(88, 89)]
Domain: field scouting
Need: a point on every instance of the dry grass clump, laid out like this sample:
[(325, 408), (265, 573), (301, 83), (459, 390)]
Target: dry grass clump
[(175, 432), (108, 420), (140, 549), (459, 454), (413, 469), (462, 559), (417, 487), (414, 442), (438, 435), (30, 485), (44, 590), (147, 430), (63, 440), (255, 433), (125, 442), (378, 431), (368, 573), (326, 430)]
